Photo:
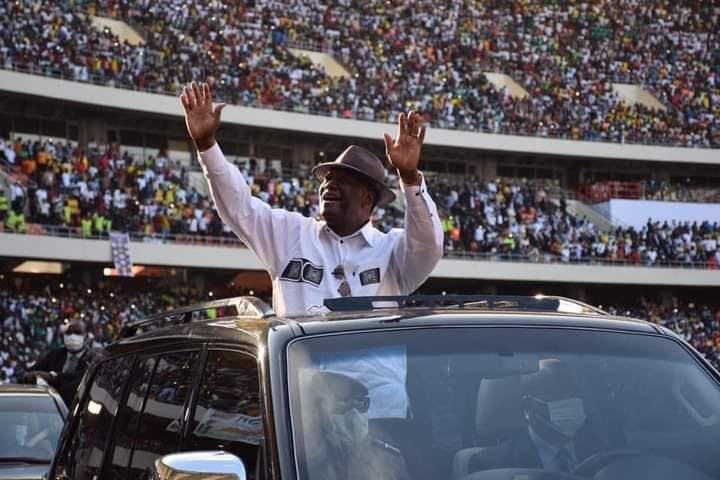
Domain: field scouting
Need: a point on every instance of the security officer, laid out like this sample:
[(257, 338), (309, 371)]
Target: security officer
[(343, 255), (62, 368)]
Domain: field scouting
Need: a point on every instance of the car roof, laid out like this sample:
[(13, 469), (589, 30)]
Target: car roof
[(252, 319), (340, 321)]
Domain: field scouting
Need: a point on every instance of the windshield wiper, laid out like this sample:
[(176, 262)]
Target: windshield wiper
[(33, 460)]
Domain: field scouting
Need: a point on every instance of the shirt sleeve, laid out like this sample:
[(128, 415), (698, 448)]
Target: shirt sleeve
[(270, 233), (420, 246)]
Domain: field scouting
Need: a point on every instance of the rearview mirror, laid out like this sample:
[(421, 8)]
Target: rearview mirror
[(213, 465)]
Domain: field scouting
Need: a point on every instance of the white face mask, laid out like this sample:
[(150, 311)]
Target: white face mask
[(349, 428), (74, 342), (567, 416)]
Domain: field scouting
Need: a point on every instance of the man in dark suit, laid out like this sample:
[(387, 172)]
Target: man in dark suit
[(62, 368), (557, 436)]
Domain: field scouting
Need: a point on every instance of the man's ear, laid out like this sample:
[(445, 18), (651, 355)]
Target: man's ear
[(372, 199)]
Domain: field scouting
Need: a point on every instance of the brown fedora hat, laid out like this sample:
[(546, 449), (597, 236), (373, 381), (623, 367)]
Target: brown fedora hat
[(363, 162)]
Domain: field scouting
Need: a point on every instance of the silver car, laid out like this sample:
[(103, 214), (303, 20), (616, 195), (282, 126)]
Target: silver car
[(31, 420)]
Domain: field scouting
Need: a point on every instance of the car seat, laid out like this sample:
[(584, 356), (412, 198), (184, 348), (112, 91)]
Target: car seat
[(498, 417)]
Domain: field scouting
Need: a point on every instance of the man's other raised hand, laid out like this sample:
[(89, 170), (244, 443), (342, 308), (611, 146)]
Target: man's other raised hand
[(201, 119), (403, 151)]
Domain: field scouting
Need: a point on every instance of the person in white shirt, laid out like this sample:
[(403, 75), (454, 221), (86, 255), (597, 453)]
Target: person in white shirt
[(311, 260), (342, 255)]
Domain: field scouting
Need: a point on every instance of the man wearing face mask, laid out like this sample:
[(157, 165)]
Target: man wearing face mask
[(557, 420), (62, 368), (556, 436), (339, 443)]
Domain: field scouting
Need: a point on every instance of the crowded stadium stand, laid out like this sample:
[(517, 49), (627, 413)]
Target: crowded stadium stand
[(405, 56), (573, 148)]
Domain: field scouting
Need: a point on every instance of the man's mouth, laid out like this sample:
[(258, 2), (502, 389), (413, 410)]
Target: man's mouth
[(331, 197)]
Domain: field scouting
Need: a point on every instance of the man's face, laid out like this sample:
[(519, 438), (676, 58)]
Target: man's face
[(345, 197)]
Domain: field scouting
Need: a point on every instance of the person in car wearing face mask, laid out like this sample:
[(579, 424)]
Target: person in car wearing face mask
[(337, 436), (62, 368), (558, 431), (557, 436)]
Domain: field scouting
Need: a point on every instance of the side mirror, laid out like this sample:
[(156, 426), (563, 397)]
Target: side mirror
[(215, 465)]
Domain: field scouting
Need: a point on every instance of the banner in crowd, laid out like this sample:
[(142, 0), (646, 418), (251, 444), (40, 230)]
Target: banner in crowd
[(120, 248)]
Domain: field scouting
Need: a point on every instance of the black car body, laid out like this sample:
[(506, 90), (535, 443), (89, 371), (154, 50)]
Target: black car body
[(230, 375), (31, 420)]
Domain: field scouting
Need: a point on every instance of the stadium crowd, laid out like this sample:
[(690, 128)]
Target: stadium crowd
[(420, 55), (507, 219), (99, 187), (685, 190), (697, 324), (33, 314)]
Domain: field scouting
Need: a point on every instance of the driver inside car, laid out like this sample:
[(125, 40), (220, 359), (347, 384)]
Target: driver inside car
[(338, 443), (558, 437)]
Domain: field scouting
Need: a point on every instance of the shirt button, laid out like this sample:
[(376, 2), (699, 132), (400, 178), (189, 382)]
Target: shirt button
[(342, 241)]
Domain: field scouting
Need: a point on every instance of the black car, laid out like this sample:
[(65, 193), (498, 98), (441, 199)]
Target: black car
[(31, 419), (457, 388)]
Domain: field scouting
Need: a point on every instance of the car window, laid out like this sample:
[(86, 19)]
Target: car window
[(96, 418), (159, 427), (228, 415), (31, 426), (455, 402), (128, 420)]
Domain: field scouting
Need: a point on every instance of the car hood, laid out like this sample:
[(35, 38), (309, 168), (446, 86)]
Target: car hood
[(20, 471)]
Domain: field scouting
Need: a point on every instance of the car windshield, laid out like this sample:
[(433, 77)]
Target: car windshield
[(501, 403), (30, 426)]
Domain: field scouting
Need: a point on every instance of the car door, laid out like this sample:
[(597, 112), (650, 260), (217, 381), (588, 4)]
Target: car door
[(83, 448), (228, 414), (150, 422)]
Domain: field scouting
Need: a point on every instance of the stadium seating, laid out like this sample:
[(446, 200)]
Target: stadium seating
[(406, 55), (90, 190), (650, 190)]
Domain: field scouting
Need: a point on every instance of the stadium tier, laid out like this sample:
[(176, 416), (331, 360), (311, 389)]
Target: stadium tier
[(88, 190), (570, 62)]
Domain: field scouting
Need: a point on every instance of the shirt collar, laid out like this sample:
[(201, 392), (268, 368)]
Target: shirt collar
[(367, 231)]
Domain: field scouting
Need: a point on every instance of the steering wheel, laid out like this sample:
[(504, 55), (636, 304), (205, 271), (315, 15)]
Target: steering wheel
[(43, 434), (523, 473), (630, 463), (596, 462)]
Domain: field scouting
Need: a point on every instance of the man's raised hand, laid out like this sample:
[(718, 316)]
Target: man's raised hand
[(201, 119), (403, 152)]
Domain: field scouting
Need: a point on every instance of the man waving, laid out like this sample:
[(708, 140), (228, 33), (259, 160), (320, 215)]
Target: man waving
[(343, 255)]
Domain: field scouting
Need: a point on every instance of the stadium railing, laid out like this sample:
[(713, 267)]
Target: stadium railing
[(557, 133), (233, 242)]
